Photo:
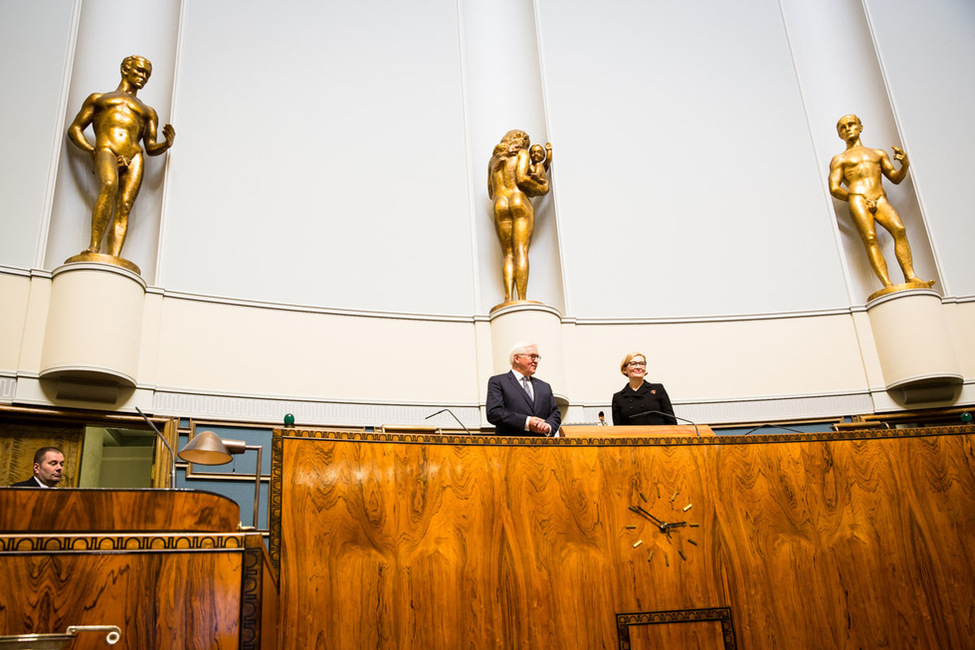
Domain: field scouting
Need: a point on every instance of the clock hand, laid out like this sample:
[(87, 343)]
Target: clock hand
[(643, 513)]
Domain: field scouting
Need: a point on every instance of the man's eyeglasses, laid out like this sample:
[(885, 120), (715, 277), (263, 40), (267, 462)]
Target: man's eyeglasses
[(534, 357)]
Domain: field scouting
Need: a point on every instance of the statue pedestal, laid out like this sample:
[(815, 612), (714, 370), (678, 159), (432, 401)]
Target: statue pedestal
[(900, 287), (914, 345), (94, 329), (528, 321), (102, 258)]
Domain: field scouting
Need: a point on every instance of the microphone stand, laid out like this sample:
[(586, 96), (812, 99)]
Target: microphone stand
[(172, 456), (468, 431), (771, 426), (669, 415)]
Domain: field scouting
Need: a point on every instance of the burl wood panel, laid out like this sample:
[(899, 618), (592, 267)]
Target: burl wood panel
[(115, 510), (836, 540), (160, 600)]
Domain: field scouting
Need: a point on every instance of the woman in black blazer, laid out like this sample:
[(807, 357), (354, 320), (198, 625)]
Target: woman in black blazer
[(631, 404)]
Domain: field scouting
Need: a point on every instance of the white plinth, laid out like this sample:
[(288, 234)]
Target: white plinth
[(94, 325), (914, 345)]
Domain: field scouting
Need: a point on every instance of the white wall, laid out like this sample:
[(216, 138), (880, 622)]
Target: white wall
[(35, 44), (687, 182), (327, 189), (321, 158)]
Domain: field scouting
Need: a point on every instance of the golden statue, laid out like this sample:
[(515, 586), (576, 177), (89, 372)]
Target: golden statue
[(120, 121), (516, 173), (860, 169)]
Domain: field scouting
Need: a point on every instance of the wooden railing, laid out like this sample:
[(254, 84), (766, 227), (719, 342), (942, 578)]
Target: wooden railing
[(168, 567), (833, 540)]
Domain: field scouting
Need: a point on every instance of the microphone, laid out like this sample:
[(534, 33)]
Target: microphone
[(452, 415), (669, 415), (771, 426), (172, 456)]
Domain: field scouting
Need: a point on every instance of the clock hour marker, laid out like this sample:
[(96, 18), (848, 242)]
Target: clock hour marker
[(674, 495), (637, 543), (687, 507)]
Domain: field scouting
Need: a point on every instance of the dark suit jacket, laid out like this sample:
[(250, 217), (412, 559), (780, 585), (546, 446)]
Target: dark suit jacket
[(508, 405), (28, 483), (648, 397)]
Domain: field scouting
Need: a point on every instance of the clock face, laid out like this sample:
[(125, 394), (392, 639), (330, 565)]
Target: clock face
[(662, 527)]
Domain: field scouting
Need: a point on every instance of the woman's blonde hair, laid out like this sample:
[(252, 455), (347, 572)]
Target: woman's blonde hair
[(628, 358)]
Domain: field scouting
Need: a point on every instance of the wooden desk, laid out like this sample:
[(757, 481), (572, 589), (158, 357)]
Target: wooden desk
[(168, 567), (833, 540)]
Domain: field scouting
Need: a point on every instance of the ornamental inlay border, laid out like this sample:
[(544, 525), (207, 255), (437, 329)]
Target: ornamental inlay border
[(719, 614), (610, 441), (115, 543)]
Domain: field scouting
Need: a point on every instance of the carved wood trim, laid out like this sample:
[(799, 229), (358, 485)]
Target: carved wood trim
[(251, 591), (719, 614), (610, 441), (116, 543)]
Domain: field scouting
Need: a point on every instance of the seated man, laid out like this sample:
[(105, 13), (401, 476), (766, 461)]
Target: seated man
[(519, 404), (48, 465)]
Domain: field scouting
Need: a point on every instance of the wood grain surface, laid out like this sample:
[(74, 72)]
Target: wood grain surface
[(810, 541), (115, 510), (159, 600), (191, 590)]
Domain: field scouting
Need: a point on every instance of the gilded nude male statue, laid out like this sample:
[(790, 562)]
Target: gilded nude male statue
[(861, 170), (121, 122)]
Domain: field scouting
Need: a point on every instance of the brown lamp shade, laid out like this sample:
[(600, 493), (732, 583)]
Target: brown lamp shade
[(206, 448)]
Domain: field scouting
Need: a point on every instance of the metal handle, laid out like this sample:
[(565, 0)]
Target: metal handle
[(114, 633)]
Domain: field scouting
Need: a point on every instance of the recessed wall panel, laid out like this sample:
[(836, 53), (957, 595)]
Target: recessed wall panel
[(926, 51), (322, 156), (687, 182), (35, 38)]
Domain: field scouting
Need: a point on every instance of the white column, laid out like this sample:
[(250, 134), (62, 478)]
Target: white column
[(94, 329), (503, 83), (839, 72), (109, 31), (915, 348)]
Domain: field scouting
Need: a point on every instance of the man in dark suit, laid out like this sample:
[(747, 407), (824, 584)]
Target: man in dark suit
[(48, 466), (518, 404)]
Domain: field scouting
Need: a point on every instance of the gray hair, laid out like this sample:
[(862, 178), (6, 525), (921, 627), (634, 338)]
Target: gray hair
[(519, 348)]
